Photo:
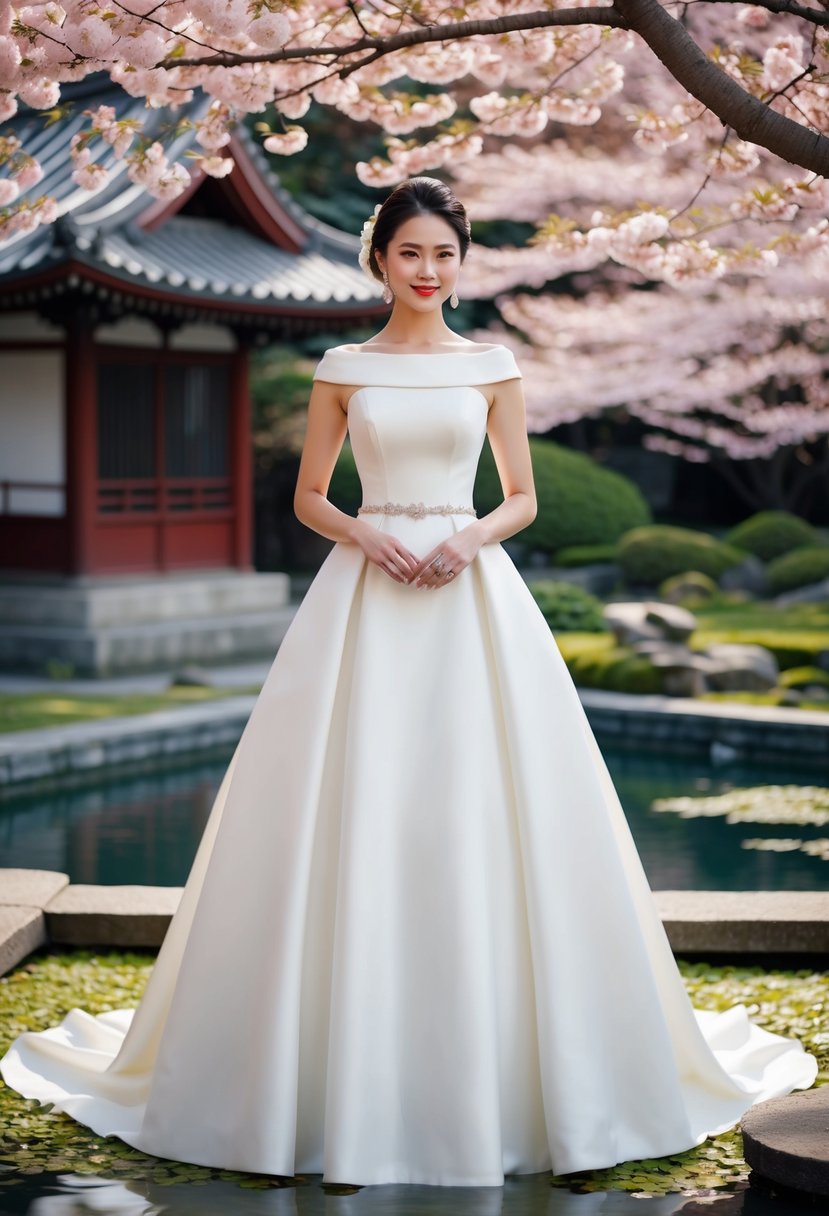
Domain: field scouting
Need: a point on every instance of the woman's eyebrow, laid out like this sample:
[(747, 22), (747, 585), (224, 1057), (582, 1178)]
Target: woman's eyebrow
[(414, 245)]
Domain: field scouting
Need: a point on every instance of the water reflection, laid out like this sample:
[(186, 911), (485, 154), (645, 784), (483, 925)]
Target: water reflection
[(145, 829), (531, 1195)]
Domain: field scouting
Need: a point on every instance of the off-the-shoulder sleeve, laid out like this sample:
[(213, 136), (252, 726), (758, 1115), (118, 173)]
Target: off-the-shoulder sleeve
[(333, 367), (505, 365), (341, 366)]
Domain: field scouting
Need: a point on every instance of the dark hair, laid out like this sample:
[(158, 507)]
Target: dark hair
[(418, 196)]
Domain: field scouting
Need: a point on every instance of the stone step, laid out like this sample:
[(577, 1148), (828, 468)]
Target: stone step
[(97, 603), (145, 645), (736, 923), (786, 1141)]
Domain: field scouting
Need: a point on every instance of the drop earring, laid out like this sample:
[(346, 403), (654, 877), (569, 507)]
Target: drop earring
[(453, 299), (388, 294)]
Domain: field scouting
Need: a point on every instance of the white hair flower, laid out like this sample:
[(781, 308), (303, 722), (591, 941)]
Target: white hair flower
[(365, 240)]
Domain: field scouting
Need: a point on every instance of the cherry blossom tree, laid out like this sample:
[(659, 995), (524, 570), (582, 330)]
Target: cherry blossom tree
[(726, 374), (737, 93)]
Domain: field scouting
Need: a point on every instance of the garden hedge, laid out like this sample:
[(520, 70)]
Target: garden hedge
[(579, 502), (769, 534), (618, 669), (652, 554), (800, 568), (566, 607)]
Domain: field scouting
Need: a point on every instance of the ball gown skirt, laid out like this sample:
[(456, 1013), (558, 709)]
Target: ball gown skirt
[(416, 943)]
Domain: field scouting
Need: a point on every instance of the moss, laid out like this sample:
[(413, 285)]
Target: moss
[(769, 534)]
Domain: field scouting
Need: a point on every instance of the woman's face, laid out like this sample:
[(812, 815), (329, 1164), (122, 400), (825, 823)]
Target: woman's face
[(423, 262)]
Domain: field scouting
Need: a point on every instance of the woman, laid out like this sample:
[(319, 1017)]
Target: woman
[(416, 943)]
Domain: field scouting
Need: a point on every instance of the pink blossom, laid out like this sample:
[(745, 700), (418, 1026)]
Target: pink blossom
[(216, 166), (90, 176), (293, 140)]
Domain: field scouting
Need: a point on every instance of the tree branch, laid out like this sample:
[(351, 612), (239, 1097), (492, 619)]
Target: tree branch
[(448, 32), (752, 120), (815, 15)]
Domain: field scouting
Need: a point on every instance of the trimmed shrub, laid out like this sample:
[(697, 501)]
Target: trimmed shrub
[(651, 554), (566, 607), (579, 502), (618, 669), (800, 568), (692, 586), (802, 677), (769, 534), (585, 555)]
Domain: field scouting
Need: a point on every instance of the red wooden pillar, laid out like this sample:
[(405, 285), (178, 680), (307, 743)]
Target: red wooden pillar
[(241, 456), (81, 430)]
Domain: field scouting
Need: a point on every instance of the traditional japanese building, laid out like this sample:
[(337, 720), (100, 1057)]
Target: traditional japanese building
[(125, 444)]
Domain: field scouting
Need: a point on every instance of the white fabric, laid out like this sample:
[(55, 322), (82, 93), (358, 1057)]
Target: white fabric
[(416, 943)]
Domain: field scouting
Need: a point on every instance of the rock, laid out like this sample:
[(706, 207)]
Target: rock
[(192, 677), (785, 1141), (815, 593), (684, 670), (627, 620), (748, 575), (677, 624), (741, 668)]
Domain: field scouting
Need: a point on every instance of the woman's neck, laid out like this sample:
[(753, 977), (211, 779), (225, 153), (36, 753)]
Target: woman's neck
[(414, 329)]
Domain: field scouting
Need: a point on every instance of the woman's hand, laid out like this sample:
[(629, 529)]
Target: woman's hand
[(457, 551), (387, 552)]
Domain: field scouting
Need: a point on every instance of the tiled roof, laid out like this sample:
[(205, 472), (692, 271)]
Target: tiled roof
[(184, 255)]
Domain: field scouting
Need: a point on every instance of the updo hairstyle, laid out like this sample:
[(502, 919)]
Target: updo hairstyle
[(418, 196)]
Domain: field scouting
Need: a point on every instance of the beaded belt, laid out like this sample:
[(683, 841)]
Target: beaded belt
[(416, 509)]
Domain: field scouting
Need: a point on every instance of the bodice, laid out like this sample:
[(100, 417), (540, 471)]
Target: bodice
[(417, 422)]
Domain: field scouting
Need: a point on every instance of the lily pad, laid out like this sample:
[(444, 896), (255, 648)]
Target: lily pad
[(35, 1139)]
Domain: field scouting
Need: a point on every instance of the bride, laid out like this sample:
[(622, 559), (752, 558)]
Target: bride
[(416, 944)]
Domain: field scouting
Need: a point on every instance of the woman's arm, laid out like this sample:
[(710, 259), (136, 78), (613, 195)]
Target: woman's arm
[(507, 431), (324, 436)]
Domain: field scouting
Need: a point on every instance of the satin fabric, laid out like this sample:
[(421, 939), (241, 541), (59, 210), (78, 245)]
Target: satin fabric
[(416, 943)]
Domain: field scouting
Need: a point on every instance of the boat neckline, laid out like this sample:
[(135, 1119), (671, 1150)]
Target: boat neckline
[(413, 354)]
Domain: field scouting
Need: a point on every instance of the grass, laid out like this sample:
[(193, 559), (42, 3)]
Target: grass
[(32, 711), (34, 1139)]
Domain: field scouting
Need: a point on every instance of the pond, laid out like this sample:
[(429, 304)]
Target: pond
[(145, 829), (531, 1195)]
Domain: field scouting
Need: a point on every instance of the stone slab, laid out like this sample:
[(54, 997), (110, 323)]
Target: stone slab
[(56, 755), (83, 914), (30, 888), (22, 930), (745, 922), (696, 727), (786, 1140)]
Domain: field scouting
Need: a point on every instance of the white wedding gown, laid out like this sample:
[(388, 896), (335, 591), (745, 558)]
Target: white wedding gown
[(416, 943)]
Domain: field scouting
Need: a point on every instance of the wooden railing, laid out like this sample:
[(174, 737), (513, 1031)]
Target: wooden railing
[(169, 496)]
